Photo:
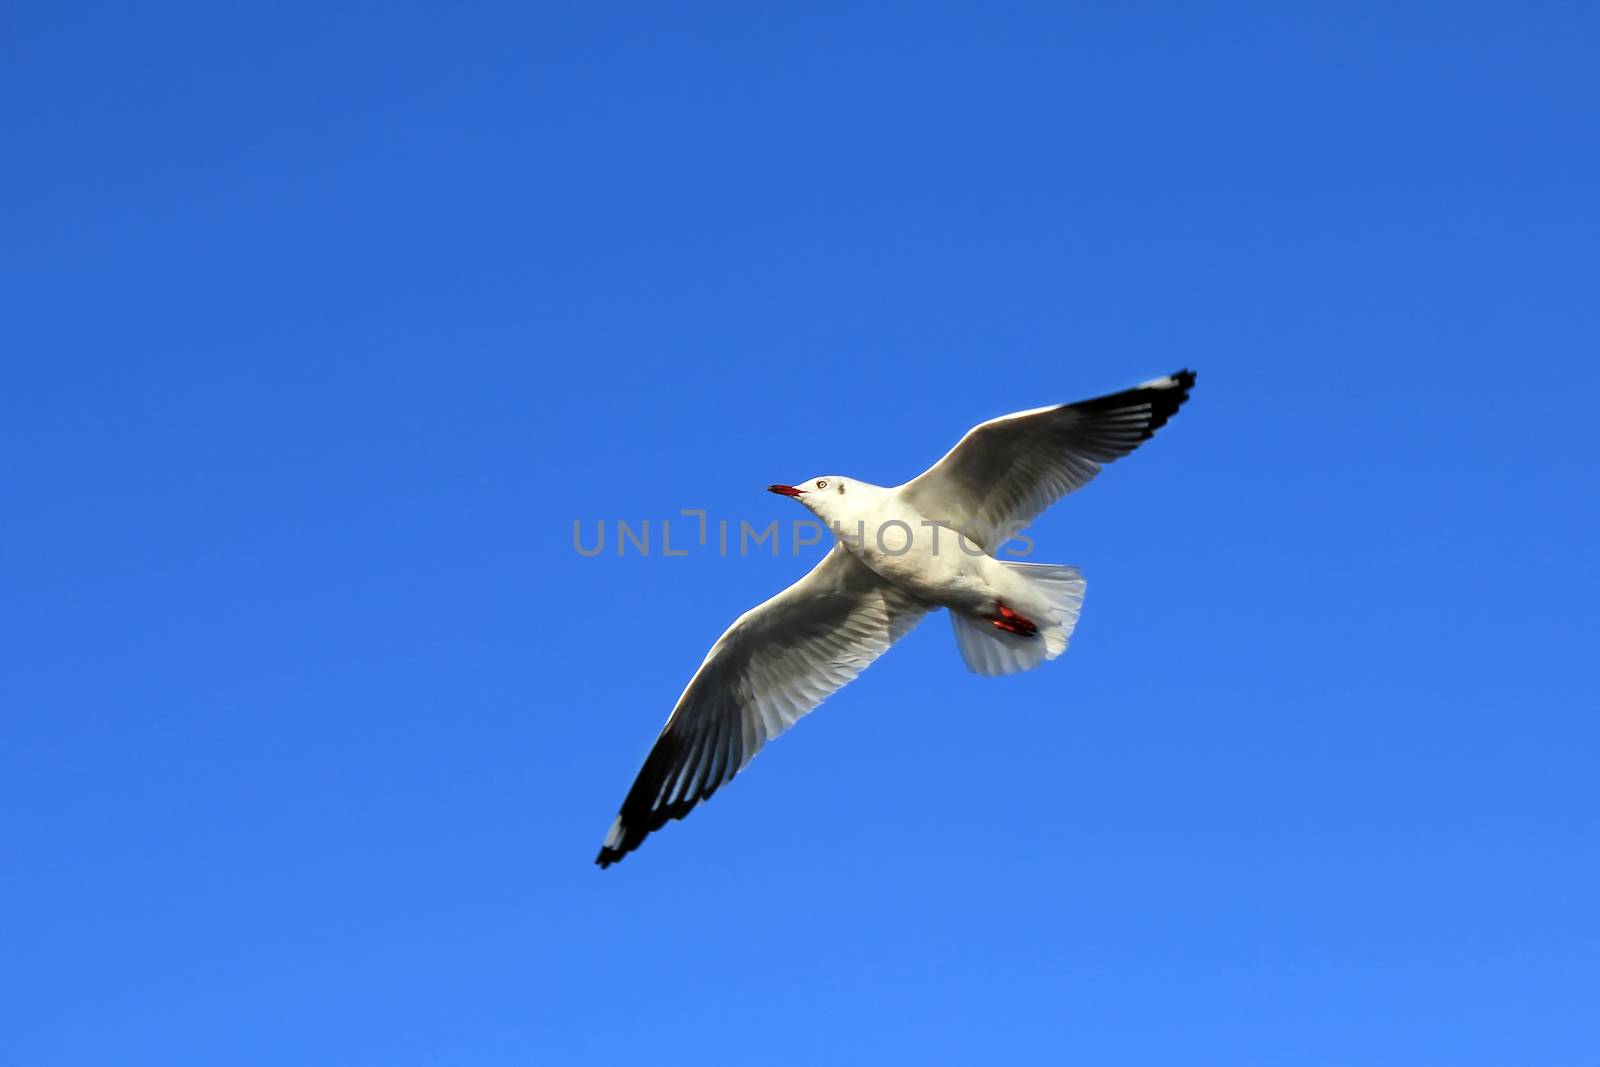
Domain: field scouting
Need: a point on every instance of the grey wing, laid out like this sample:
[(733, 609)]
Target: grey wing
[(1004, 472), (777, 662)]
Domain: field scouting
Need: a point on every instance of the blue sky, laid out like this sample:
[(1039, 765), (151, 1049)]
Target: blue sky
[(323, 325)]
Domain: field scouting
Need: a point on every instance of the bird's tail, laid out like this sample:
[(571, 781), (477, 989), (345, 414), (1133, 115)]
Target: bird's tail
[(988, 650)]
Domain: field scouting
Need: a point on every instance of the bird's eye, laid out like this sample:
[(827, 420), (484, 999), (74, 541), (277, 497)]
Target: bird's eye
[(822, 483)]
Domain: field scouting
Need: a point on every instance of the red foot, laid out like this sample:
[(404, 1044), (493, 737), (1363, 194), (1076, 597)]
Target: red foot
[(1012, 623)]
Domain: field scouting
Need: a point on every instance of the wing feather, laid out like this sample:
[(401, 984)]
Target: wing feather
[(1004, 472), (777, 662)]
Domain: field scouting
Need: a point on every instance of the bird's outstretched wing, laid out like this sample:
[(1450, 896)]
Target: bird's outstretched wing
[(1004, 472), (773, 665)]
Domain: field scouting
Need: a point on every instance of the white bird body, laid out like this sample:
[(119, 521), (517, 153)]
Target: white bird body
[(919, 553), (901, 553)]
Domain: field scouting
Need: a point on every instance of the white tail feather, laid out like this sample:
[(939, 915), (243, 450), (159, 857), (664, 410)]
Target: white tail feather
[(991, 651)]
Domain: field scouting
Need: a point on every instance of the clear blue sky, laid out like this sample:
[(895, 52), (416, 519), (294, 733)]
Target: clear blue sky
[(322, 326)]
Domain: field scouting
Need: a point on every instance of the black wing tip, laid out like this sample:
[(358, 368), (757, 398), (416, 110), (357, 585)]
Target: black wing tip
[(1172, 389), (639, 817), (1152, 402), (619, 842), (1167, 396), (629, 831), (610, 854), (618, 852)]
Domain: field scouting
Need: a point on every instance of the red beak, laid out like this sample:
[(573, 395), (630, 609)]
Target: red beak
[(784, 490)]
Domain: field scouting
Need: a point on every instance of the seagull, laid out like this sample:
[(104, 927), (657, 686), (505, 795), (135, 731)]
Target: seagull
[(901, 552)]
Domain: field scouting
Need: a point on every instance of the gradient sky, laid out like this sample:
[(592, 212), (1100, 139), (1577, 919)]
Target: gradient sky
[(322, 326)]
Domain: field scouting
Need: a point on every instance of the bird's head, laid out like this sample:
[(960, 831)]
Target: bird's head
[(828, 495)]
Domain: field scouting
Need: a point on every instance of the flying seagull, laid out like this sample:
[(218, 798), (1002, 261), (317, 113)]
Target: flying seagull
[(901, 553)]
